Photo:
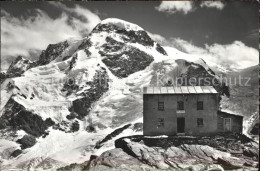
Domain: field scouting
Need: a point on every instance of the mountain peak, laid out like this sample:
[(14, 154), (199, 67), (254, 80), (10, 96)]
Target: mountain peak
[(121, 24)]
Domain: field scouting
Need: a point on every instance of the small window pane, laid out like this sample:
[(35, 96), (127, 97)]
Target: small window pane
[(160, 105), (160, 122), (200, 105), (180, 105), (200, 122)]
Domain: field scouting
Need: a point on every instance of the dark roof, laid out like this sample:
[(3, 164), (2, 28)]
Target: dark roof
[(233, 114), (180, 90)]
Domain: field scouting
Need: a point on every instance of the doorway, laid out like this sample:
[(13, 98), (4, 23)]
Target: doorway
[(227, 124), (180, 125)]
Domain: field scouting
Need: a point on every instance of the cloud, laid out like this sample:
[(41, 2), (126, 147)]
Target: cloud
[(234, 55), (172, 7), (237, 53), (85, 15), (185, 7), (25, 36), (213, 4), (156, 37)]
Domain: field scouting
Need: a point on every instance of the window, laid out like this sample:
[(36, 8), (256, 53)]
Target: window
[(160, 105), (200, 122), (180, 105), (200, 105), (160, 122)]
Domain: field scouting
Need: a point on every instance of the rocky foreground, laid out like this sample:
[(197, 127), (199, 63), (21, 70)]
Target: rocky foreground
[(219, 152)]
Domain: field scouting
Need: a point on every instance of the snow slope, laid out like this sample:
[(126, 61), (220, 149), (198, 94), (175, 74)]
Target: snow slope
[(121, 24), (39, 90)]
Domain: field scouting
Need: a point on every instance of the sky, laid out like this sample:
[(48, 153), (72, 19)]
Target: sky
[(222, 32)]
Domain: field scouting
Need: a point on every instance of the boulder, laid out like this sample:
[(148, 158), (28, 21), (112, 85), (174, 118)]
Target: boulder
[(16, 153), (250, 152), (27, 141), (116, 159)]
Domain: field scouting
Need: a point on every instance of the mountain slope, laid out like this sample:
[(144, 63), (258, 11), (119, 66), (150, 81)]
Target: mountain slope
[(81, 92)]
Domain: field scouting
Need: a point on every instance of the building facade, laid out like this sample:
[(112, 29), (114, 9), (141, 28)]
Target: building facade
[(229, 122), (189, 110)]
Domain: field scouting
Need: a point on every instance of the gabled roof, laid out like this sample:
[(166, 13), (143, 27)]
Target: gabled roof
[(180, 90)]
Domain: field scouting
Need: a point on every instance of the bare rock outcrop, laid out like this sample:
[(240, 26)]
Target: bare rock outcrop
[(185, 153)]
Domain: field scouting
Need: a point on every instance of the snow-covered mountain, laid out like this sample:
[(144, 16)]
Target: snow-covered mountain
[(81, 95)]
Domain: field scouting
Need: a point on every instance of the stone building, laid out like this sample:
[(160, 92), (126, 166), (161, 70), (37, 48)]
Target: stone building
[(185, 110)]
